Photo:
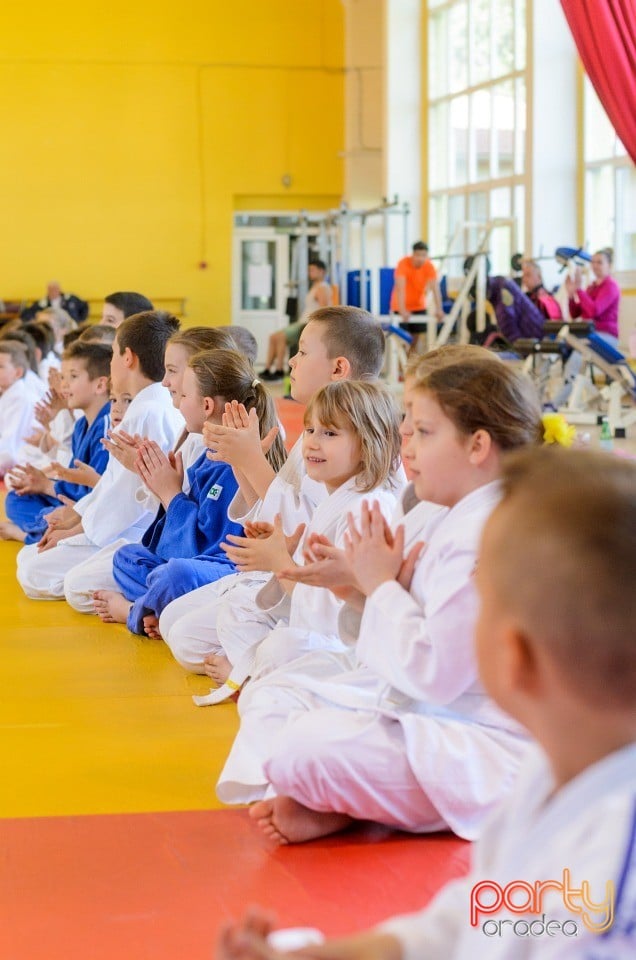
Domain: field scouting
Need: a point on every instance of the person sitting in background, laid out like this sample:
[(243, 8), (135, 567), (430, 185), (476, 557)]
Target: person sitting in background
[(598, 302), (77, 309), (534, 289), (319, 295)]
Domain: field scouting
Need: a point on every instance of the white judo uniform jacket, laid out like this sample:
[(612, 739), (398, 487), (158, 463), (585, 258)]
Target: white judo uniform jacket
[(110, 511), (223, 617), (587, 828), (311, 625), (416, 675), (16, 422)]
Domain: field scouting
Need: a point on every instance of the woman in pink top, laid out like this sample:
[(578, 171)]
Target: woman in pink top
[(599, 302)]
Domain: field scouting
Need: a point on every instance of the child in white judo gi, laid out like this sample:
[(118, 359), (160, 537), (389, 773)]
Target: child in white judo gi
[(16, 406), (110, 511), (554, 874), (388, 740), (351, 444), (338, 343)]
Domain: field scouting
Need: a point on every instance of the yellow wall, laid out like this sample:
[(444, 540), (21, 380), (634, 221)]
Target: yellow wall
[(131, 130)]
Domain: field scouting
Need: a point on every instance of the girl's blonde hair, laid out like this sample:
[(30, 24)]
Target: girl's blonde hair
[(369, 411), (227, 374), (195, 339), (481, 394)]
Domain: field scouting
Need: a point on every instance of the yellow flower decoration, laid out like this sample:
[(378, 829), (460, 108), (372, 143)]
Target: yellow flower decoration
[(556, 429)]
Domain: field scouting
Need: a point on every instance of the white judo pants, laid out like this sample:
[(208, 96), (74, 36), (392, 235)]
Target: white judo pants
[(96, 573), (41, 575), (220, 617)]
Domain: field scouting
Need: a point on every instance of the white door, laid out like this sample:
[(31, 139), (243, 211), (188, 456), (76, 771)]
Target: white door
[(260, 278)]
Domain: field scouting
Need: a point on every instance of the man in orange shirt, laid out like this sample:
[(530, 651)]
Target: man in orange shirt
[(414, 276)]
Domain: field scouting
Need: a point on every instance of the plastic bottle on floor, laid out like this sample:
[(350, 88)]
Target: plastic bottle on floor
[(606, 440)]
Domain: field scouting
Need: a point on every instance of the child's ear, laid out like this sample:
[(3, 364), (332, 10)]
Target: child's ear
[(520, 664), (129, 357), (480, 447), (102, 386), (341, 369), (209, 406)]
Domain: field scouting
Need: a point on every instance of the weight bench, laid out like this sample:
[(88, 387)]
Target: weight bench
[(597, 352), (540, 354)]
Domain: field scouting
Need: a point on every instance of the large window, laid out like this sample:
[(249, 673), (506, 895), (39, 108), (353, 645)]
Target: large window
[(610, 186), (477, 125)]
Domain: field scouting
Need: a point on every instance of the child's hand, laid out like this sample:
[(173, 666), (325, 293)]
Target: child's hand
[(247, 938), (325, 566), (64, 517), (35, 438), (259, 530), (81, 473), (270, 553), (238, 446), (374, 554), (236, 416), (123, 447), (53, 536), (28, 479), (163, 475), (43, 413)]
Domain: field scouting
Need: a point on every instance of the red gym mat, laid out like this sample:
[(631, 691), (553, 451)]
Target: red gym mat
[(157, 886)]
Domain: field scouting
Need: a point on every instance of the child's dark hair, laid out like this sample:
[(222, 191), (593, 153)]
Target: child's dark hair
[(227, 374), (43, 335), (97, 357), (146, 335), (28, 344), (566, 565), (129, 302), (370, 412), (97, 333), (481, 395), (15, 349), (354, 334), (244, 339), (196, 339)]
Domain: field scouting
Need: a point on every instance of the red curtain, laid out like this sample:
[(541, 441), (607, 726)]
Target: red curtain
[(605, 35)]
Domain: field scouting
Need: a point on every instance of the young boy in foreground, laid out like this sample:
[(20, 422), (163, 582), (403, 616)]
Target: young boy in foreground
[(555, 872)]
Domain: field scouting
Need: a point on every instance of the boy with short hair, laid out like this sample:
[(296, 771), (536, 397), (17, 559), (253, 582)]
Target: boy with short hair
[(110, 514), (556, 867), (16, 404), (85, 378)]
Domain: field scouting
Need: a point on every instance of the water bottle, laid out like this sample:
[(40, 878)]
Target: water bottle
[(606, 441)]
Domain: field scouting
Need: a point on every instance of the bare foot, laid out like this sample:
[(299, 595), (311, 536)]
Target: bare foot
[(111, 607), (284, 820), (11, 531), (217, 667), (151, 627)]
